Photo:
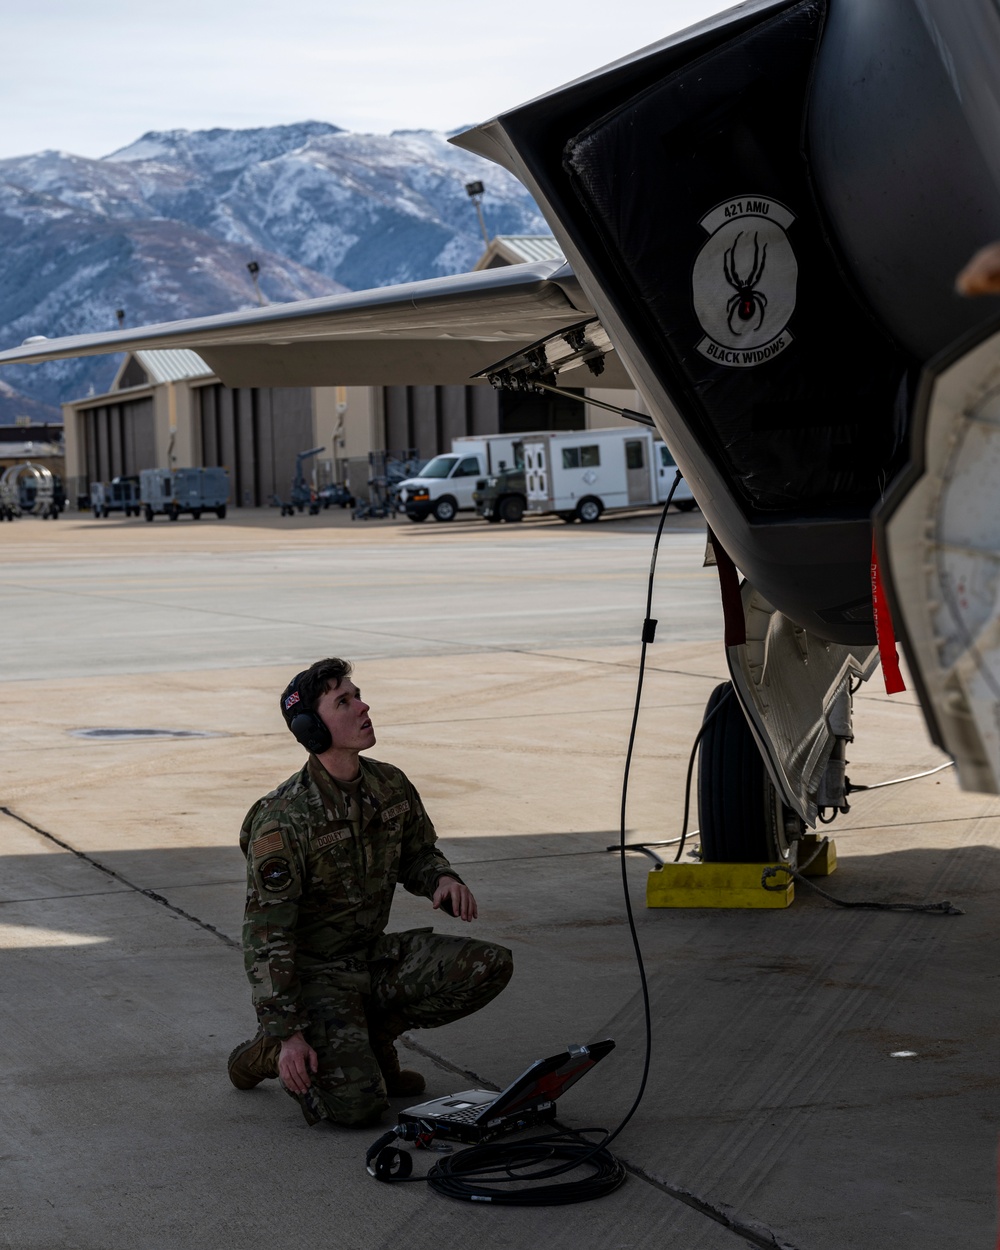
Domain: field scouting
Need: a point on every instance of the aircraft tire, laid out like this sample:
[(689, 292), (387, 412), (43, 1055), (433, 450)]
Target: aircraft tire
[(220, 512), (741, 817)]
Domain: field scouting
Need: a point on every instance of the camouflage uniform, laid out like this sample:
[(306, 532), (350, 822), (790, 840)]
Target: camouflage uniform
[(319, 890)]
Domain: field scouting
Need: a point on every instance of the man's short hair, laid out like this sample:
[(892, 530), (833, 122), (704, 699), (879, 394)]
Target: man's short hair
[(312, 684)]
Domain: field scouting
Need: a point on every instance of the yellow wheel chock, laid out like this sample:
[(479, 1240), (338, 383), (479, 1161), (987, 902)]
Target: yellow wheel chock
[(736, 885)]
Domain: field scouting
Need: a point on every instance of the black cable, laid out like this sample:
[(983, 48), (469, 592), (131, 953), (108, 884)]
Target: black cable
[(464, 1175), (942, 909), (898, 781), (472, 1174)]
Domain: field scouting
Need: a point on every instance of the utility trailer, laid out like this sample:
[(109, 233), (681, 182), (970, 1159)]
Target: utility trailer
[(579, 474), (121, 494), (28, 489), (173, 491)]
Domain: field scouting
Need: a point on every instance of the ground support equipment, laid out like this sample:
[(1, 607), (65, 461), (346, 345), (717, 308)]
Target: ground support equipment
[(733, 885)]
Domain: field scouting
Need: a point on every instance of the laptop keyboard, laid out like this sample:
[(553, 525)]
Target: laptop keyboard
[(469, 1116)]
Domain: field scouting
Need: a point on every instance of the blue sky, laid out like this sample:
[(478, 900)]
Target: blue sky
[(91, 77)]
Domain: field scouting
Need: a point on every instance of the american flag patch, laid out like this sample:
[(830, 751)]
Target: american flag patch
[(292, 699), (269, 843)]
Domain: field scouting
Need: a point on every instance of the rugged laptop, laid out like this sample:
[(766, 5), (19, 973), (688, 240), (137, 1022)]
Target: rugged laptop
[(475, 1115)]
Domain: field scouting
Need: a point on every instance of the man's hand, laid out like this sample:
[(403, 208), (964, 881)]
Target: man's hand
[(297, 1063), (981, 276), (463, 905)]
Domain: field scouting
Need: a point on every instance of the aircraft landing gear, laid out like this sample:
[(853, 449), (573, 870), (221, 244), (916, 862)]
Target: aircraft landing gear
[(741, 816)]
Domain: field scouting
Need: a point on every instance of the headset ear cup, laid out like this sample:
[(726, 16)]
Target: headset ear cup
[(393, 1165), (309, 730)]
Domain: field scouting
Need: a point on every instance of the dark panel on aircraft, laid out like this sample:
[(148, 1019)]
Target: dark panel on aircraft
[(721, 255), (904, 149)]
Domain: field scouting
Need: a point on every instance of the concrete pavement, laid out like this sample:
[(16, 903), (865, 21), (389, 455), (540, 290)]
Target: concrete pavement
[(500, 662)]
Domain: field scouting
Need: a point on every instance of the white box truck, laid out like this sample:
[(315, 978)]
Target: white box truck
[(580, 474), (444, 486)]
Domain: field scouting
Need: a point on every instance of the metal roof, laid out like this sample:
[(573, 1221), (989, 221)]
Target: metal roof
[(171, 364), (162, 364), (533, 246), (526, 247)]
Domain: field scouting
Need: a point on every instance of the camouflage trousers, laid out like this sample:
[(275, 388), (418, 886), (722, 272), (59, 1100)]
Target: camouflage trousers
[(413, 980)]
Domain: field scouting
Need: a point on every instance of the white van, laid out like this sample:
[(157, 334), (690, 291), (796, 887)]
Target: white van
[(580, 474), (445, 484)]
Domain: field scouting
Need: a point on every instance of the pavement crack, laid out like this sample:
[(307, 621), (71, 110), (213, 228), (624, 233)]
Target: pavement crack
[(117, 876), (442, 1062), (752, 1231)]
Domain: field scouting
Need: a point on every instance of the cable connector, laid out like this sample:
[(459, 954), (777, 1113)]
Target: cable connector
[(649, 629)]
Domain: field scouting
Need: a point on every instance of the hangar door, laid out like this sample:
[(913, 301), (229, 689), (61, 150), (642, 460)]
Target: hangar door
[(255, 434), (118, 439)]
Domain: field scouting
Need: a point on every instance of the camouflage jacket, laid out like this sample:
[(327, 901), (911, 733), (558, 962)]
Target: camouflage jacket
[(317, 895)]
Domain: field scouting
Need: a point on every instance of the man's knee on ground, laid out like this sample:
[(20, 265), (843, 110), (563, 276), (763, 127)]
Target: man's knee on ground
[(355, 1108), (505, 964)]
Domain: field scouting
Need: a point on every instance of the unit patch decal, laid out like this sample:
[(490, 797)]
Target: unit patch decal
[(396, 810), (743, 282), (275, 874)]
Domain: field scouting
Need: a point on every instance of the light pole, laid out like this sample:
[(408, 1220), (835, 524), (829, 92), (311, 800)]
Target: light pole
[(254, 271), (475, 191)]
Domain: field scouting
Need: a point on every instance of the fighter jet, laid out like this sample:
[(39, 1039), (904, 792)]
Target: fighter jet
[(763, 217)]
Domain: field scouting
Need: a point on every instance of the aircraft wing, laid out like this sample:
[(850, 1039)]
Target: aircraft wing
[(442, 331)]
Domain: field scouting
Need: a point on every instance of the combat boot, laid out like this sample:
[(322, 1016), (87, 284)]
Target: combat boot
[(399, 1082), (254, 1061)]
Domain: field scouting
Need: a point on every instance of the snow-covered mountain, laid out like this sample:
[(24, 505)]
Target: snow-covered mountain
[(165, 227)]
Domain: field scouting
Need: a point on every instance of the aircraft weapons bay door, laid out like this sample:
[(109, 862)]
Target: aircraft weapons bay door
[(637, 471)]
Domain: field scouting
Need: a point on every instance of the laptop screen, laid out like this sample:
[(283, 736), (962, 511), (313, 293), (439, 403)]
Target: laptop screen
[(547, 1079)]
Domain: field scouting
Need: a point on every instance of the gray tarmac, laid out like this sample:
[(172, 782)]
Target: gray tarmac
[(501, 664)]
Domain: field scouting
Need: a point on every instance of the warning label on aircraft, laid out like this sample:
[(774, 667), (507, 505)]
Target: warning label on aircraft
[(743, 282)]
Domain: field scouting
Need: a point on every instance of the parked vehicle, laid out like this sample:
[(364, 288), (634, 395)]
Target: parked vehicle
[(173, 491), (503, 495), (445, 485), (580, 474), (335, 493), (121, 494), (29, 489)]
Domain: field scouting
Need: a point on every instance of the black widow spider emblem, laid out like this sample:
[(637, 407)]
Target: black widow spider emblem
[(747, 300)]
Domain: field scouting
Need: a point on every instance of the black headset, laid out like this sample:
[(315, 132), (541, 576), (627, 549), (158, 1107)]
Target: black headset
[(305, 724)]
